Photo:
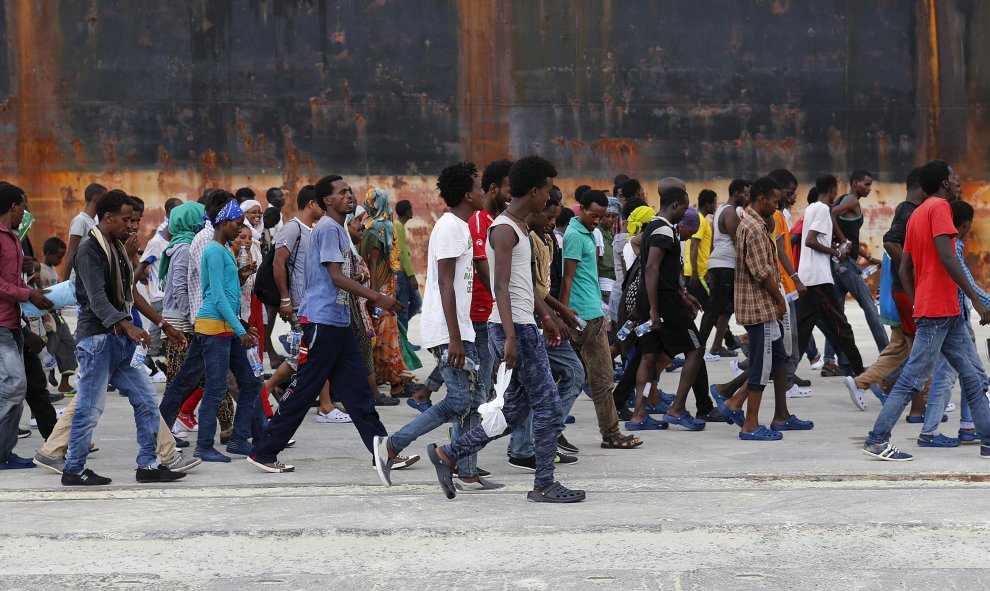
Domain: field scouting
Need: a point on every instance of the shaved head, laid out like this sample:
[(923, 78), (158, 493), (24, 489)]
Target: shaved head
[(671, 182)]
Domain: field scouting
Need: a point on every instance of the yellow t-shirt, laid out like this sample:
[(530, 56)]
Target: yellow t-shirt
[(780, 229), (704, 234)]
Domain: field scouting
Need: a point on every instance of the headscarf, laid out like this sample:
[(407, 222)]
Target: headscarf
[(614, 206), (379, 220), (691, 220), (231, 211), (256, 231), (639, 218), (182, 223)]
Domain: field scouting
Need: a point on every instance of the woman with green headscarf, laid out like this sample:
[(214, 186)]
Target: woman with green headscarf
[(183, 222), (379, 251)]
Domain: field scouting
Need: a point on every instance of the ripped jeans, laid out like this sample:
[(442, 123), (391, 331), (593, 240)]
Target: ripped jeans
[(460, 406)]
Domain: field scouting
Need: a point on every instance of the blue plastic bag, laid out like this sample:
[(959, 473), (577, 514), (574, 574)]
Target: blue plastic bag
[(888, 309), (61, 295)]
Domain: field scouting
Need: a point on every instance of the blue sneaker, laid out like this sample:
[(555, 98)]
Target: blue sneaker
[(985, 452), (887, 452), (569, 420), (210, 455)]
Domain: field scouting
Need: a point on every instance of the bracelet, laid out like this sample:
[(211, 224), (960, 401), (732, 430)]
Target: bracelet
[(162, 323), (545, 317), (793, 275), (285, 300)]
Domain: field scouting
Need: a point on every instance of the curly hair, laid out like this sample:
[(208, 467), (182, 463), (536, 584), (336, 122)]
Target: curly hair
[(455, 181)]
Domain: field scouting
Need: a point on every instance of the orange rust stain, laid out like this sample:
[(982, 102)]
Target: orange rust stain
[(484, 79), (934, 93)]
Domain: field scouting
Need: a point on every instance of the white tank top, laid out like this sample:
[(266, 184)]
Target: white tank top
[(723, 248), (521, 293)]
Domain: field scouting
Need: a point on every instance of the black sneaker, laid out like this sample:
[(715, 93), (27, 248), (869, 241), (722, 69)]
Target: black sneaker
[(800, 382), (528, 464), (54, 397), (87, 478), (625, 414), (831, 370), (566, 446), (564, 459), (159, 474), (481, 471), (22, 433)]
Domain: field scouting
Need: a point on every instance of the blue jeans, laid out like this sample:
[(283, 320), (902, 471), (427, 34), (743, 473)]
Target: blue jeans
[(531, 387), (211, 357), (485, 362), (849, 280), (565, 362), (941, 390), (950, 336), (410, 299), (106, 358), (13, 388), (459, 406)]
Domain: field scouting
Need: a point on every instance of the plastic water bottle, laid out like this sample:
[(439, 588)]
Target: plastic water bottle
[(469, 363), (843, 249), (581, 323), (295, 339), (48, 360), (256, 366), (644, 328), (140, 352), (870, 271), (626, 330), (242, 258), (791, 296)]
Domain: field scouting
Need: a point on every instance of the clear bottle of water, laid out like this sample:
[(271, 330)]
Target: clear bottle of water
[(295, 339), (469, 363), (48, 360), (255, 360), (870, 271), (626, 330), (644, 328), (581, 323), (140, 352), (242, 258)]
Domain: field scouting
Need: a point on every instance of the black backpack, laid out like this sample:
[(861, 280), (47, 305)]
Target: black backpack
[(631, 283), (264, 281)]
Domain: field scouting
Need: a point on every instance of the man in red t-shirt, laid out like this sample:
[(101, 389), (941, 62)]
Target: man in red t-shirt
[(932, 275)]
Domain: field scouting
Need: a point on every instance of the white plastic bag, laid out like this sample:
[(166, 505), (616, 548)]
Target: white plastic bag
[(492, 417)]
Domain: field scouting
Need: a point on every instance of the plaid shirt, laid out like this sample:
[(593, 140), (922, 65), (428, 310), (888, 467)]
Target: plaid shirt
[(756, 260), (195, 275)]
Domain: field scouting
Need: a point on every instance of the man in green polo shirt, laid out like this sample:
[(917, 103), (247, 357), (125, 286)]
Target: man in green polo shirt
[(579, 290)]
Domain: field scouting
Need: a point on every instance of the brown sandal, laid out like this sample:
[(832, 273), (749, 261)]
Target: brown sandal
[(619, 441)]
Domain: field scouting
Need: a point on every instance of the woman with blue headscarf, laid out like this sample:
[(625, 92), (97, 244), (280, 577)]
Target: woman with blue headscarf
[(379, 251)]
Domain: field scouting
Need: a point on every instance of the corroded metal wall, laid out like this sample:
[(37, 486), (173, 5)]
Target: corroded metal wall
[(169, 98)]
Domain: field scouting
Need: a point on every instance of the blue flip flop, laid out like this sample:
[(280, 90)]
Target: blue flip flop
[(921, 419), (793, 424), (736, 416), (420, 406), (686, 420), (713, 390), (938, 441), (761, 434), (969, 436), (646, 425)]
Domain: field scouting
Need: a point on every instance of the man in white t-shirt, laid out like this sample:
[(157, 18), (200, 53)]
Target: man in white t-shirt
[(821, 303), (446, 326), (80, 226)]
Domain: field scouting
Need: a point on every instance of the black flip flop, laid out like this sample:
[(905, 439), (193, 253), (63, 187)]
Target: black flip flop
[(444, 473), (556, 493)]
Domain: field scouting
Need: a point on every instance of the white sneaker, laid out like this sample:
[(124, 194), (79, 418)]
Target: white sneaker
[(857, 396), (178, 431), (817, 364), (950, 407), (33, 423), (734, 367), (159, 378), (709, 356), (798, 392), (334, 416)]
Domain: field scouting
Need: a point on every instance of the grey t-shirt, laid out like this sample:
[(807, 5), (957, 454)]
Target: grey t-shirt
[(81, 225), (286, 238)]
